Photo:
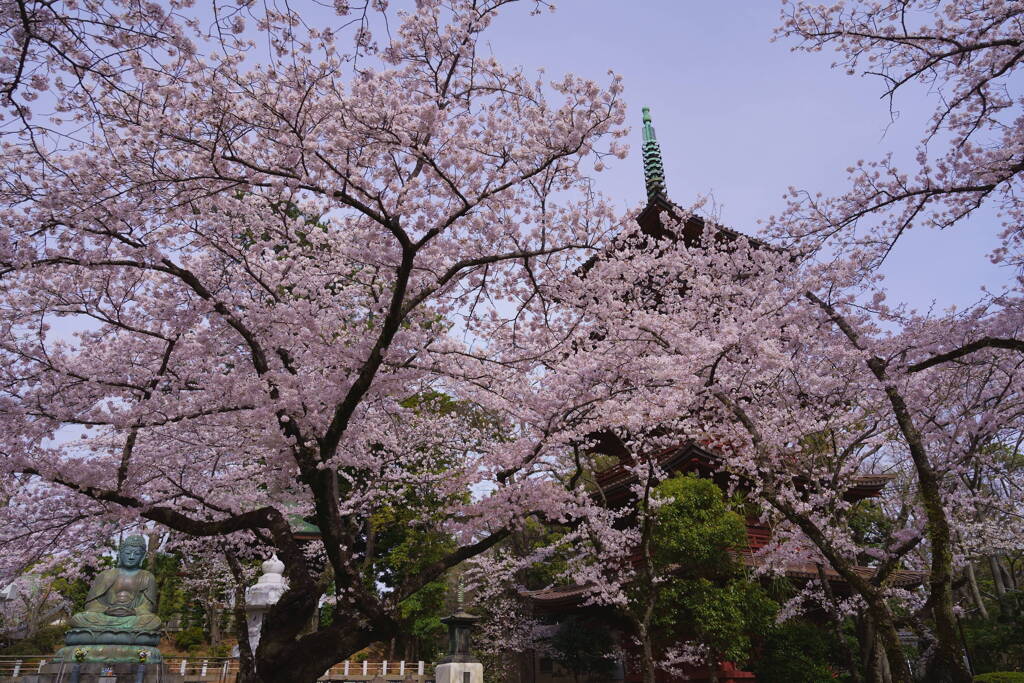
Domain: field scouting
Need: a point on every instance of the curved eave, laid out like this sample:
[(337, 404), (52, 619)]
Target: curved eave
[(303, 530)]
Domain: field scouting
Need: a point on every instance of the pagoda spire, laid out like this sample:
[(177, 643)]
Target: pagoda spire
[(654, 168)]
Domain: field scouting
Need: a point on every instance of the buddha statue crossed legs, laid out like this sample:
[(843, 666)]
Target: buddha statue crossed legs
[(119, 610)]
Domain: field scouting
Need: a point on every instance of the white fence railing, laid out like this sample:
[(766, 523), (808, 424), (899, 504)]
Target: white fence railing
[(224, 669)]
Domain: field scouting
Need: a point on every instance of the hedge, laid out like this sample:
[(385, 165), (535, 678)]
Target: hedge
[(1000, 677)]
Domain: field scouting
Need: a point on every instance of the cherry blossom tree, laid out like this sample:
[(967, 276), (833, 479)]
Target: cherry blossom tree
[(968, 165), (29, 604), (966, 54), (778, 366), (248, 261), (791, 365)]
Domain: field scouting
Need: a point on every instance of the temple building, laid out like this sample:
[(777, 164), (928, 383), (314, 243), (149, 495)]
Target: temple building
[(554, 604)]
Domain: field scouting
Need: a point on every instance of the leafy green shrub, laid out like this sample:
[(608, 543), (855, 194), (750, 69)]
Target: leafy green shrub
[(995, 645), (222, 650), (1000, 677), (44, 641), (190, 638), (703, 595), (796, 652), (583, 646)]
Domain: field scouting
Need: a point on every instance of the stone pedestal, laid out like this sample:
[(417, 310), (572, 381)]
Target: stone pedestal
[(459, 672), (107, 653), (99, 672)]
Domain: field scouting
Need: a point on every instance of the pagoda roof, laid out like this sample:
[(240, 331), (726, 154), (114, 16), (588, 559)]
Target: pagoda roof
[(650, 221), (571, 596), (690, 456), (303, 529)]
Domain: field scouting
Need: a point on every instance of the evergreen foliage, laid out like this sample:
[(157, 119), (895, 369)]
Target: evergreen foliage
[(705, 596), (796, 651), (583, 647), (1000, 677)]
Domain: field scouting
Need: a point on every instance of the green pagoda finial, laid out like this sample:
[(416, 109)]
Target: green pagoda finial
[(654, 169), (648, 128)]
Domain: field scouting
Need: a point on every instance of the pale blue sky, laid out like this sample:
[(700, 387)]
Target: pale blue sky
[(744, 118)]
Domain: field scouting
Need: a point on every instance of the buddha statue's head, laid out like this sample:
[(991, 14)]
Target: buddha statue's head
[(132, 552)]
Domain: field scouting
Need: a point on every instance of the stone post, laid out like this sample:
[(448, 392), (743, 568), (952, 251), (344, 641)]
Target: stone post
[(259, 598)]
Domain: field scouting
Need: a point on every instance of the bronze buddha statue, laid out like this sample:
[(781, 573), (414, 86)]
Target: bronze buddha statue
[(119, 618)]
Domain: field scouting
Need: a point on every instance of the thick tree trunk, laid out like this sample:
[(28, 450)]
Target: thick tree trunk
[(643, 622), (213, 621), (285, 656), (152, 544), (948, 664), (1009, 577), (1010, 582), (868, 646), (972, 582), (1001, 580), (885, 671), (898, 670), (997, 577), (874, 672), (246, 660), (647, 663), (305, 660)]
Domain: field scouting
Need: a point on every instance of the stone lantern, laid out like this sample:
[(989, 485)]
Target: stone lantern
[(260, 597), (459, 666)]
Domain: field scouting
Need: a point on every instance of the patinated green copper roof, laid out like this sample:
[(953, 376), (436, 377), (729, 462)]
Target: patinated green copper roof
[(300, 527), (654, 168)]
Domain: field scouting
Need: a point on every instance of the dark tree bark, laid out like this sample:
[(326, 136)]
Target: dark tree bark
[(246, 661), (975, 592)]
